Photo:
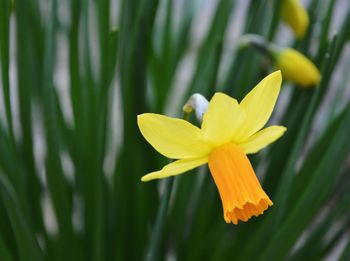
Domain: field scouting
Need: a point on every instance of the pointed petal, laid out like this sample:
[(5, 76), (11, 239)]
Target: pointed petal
[(174, 138), (262, 138), (259, 104), (175, 168), (222, 119)]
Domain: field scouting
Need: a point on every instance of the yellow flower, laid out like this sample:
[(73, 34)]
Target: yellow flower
[(295, 16), (297, 68), (229, 131)]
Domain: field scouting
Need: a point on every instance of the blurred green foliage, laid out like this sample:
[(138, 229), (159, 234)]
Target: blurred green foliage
[(107, 213)]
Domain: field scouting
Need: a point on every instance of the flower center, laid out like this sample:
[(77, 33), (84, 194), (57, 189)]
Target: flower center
[(240, 191)]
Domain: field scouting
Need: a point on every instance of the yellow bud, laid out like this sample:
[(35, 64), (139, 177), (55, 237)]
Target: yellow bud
[(295, 16), (297, 68)]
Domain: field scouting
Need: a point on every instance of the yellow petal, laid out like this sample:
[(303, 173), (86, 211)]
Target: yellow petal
[(175, 168), (262, 138), (174, 138), (222, 119), (294, 14), (297, 68), (258, 105)]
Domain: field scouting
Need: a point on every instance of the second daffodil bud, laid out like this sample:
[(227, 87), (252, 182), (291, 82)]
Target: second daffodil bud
[(296, 67), (197, 103), (294, 14)]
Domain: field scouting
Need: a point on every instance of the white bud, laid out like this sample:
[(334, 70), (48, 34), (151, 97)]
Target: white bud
[(198, 103)]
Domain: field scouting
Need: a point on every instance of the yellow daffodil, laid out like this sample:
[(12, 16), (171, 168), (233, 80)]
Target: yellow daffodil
[(294, 14), (297, 68), (229, 131)]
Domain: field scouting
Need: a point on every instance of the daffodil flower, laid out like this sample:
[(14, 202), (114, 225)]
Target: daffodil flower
[(229, 131)]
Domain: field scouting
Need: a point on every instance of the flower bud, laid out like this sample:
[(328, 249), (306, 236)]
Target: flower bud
[(296, 67), (198, 103), (295, 16)]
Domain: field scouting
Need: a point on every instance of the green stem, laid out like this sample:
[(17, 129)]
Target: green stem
[(275, 19), (159, 225), (156, 236), (5, 12)]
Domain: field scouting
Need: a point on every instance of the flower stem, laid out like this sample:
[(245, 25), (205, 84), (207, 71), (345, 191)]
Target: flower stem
[(156, 236), (159, 224)]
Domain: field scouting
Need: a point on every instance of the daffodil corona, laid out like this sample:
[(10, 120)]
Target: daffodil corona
[(229, 131)]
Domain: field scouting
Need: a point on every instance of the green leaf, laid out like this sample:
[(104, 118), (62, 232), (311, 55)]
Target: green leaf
[(5, 253), (322, 182), (5, 12), (208, 55), (27, 244)]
